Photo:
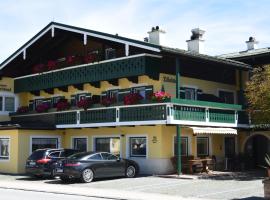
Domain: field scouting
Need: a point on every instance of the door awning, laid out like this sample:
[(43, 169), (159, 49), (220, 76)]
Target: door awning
[(210, 130)]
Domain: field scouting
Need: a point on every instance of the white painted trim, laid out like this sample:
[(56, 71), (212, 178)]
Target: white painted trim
[(135, 123), (108, 38), (89, 64), (4, 94), (197, 123), (44, 136), (189, 143), (227, 90), (24, 54), (9, 148), (80, 137), (126, 49), (94, 137), (128, 136), (52, 31)]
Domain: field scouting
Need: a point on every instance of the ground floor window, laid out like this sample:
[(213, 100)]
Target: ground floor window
[(41, 143), (138, 146), (202, 146), (79, 144), (184, 146), (108, 144), (4, 148)]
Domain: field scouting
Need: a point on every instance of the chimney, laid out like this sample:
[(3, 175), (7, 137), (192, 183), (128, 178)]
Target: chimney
[(251, 43), (156, 35), (196, 43)]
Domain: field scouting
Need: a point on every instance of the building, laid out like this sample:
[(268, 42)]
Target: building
[(64, 63), (257, 144)]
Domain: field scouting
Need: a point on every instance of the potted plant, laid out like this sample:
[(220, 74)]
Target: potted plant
[(132, 98), (62, 104), (84, 103), (160, 96), (22, 109), (43, 107), (51, 65), (107, 101)]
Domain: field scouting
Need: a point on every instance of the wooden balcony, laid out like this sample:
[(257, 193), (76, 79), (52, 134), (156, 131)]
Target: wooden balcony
[(131, 66), (177, 111)]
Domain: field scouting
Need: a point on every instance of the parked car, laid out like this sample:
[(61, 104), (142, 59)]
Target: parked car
[(87, 166), (41, 162)]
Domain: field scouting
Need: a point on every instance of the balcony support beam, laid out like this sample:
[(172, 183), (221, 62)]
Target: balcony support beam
[(178, 128)]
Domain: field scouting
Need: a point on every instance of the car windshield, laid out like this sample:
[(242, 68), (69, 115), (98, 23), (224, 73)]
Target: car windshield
[(79, 155), (38, 154)]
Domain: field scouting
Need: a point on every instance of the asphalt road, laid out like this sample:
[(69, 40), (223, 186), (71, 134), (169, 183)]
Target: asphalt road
[(10, 194)]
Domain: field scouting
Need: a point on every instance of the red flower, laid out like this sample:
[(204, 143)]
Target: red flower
[(62, 104), (133, 98), (84, 103), (23, 109), (51, 65), (160, 96), (43, 107), (89, 58), (107, 101)]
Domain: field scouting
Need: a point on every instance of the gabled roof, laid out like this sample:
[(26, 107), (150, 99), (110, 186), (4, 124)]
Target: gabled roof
[(145, 45), (54, 25)]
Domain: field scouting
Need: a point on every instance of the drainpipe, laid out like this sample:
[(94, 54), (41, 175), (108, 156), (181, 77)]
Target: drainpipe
[(178, 129)]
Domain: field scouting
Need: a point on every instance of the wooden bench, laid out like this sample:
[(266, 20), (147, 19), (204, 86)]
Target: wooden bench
[(184, 162)]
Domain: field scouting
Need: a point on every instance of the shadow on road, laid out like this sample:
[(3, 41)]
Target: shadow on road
[(251, 198)]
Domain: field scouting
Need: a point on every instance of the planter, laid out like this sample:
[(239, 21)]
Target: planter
[(266, 183)]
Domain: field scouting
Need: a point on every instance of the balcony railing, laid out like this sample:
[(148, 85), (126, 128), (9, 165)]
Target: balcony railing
[(143, 64), (177, 111)]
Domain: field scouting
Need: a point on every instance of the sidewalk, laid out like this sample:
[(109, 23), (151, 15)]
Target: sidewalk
[(87, 191)]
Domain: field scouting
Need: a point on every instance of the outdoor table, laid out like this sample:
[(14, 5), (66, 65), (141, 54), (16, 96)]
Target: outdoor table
[(203, 161)]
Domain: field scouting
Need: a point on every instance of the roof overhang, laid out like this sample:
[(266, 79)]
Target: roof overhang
[(85, 32), (212, 131)]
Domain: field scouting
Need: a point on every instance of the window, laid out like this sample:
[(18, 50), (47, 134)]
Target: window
[(4, 148), (184, 146), (188, 93), (113, 94), (202, 146), (80, 144), (141, 91), (10, 104), (54, 154), (226, 96), (109, 144), (42, 143), (138, 146), (1, 103), (95, 157), (110, 53), (108, 156)]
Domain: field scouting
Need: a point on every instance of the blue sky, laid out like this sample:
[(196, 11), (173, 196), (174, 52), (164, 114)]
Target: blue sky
[(228, 23)]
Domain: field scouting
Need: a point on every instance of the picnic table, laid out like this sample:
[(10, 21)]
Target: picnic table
[(202, 160)]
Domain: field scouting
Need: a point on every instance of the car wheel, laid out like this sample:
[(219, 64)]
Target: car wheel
[(87, 175), (52, 175), (130, 171), (64, 179)]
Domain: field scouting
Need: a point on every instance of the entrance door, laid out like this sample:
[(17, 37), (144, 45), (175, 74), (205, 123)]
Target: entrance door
[(229, 147), (256, 147)]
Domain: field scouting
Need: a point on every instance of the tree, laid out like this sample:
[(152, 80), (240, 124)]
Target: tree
[(258, 95)]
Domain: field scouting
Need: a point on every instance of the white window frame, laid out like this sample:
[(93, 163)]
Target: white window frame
[(78, 137), (189, 150), (106, 136), (9, 148), (44, 136), (227, 90), (128, 146), (16, 102)]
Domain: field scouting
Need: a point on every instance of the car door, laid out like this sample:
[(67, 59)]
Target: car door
[(96, 163), (113, 166)]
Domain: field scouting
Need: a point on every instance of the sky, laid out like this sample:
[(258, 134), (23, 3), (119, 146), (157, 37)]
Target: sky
[(228, 23)]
